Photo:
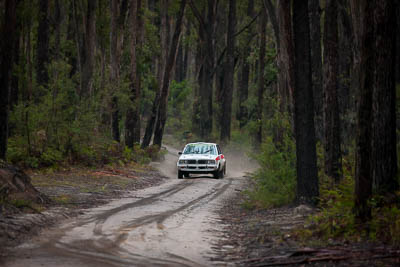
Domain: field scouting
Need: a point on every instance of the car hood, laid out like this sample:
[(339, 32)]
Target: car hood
[(197, 156)]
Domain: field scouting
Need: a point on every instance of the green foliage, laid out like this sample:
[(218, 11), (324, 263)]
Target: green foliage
[(58, 128), (276, 178), (336, 219), (179, 107)]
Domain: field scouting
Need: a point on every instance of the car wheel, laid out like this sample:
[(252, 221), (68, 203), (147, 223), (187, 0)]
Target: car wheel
[(180, 174), (186, 175), (217, 174), (222, 174), (225, 169)]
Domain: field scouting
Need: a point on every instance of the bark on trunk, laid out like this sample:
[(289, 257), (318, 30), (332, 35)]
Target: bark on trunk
[(114, 69), (227, 93), (243, 90), (42, 58), (398, 47), (346, 97), (71, 37), (151, 122), (132, 114), (332, 155), (261, 81), (307, 176), (384, 157), (6, 63), (179, 76), (14, 90), (270, 9), (285, 56), (89, 46), (162, 111), (202, 106), (316, 66), (362, 15)]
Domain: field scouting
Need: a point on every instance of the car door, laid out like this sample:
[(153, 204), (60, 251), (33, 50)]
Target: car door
[(221, 156)]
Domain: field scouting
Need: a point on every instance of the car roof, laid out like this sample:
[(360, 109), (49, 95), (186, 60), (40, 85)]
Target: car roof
[(198, 143)]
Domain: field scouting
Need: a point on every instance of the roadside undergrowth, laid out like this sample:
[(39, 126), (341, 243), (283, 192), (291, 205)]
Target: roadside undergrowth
[(275, 180), (335, 221)]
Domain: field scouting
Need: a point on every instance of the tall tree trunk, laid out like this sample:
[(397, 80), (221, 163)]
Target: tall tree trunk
[(179, 77), (243, 89), (89, 46), (14, 90), (307, 175), (332, 155), (316, 65), (114, 69), (346, 96), (285, 56), (398, 47), (227, 93), (202, 122), (151, 122), (58, 21), (42, 57), (132, 115), (270, 9), (362, 15), (139, 43), (6, 64), (384, 156), (72, 59), (162, 111), (261, 80)]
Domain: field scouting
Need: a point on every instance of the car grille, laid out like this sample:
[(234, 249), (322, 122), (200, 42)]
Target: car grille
[(202, 161), (193, 161)]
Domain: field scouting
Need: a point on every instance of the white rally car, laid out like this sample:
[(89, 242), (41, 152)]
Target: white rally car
[(201, 158)]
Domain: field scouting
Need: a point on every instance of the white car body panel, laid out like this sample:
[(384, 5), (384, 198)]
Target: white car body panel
[(210, 161)]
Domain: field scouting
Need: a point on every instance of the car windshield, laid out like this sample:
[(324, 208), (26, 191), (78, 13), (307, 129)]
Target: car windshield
[(199, 149)]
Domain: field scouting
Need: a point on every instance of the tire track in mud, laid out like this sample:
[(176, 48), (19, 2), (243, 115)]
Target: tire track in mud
[(107, 249), (161, 217)]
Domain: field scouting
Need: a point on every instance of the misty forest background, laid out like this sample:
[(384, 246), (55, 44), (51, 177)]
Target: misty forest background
[(308, 88)]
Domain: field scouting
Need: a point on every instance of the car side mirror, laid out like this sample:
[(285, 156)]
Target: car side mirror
[(179, 153)]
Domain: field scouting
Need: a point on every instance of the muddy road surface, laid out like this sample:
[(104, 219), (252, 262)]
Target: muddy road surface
[(173, 224)]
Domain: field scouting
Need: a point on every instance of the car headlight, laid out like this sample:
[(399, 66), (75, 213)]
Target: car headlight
[(210, 161), (183, 161)]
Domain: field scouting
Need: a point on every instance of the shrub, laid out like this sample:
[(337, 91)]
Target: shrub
[(336, 219), (276, 178)]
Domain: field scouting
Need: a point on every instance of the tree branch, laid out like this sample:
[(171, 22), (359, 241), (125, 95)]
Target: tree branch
[(197, 14), (248, 25), (270, 10)]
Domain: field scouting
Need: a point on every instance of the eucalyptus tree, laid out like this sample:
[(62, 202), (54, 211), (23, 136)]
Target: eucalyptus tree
[(132, 121), (202, 117), (332, 155), (43, 34), (242, 114), (229, 71), (307, 174), (316, 65), (6, 66), (170, 63), (376, 156), (261, 80), (87, 49)]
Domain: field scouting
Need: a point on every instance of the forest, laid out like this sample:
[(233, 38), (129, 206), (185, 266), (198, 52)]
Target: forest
[(310, 89)]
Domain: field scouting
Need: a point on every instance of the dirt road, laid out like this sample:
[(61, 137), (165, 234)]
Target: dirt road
[(173, 224)]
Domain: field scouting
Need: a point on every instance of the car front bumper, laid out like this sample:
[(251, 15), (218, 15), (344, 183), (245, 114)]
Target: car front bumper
[(197, 168)]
